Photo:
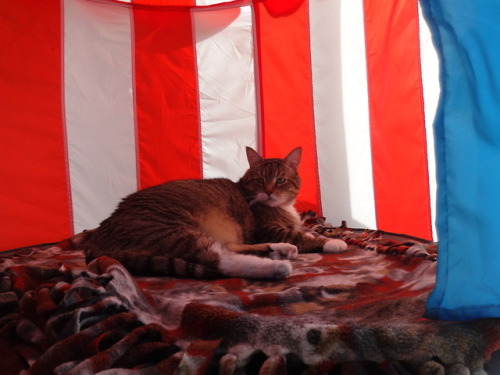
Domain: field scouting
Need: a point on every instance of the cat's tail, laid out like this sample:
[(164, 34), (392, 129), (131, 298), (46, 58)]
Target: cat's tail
[(229, 264), (153, 261), (189, 255), (141, 263), (163, 265)]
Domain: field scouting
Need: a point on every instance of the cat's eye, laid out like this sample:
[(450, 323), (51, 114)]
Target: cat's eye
[(259, 180), (280, 180)]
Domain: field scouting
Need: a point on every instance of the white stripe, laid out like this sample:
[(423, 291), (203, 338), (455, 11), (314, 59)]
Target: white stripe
[(224, 48), (341, 112), (98, 108), (430, 80)]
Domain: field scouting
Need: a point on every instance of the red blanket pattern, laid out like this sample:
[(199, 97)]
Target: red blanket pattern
[(360, 312)]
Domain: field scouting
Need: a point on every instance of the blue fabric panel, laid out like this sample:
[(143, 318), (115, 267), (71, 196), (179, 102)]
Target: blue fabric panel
[(467, 130)]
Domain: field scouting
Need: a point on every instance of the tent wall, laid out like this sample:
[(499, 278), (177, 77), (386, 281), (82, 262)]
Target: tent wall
[(100, 99), (468, 158)]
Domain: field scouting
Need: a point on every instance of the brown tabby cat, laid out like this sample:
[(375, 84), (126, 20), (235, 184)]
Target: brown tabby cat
[(211, 228)]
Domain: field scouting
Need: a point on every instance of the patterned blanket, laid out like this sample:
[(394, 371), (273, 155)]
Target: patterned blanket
[(360, 312)]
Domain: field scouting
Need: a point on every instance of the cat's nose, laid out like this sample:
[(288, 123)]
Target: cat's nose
[(269, 190)]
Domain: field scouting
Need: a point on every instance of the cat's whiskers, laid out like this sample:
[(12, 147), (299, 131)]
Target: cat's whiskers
[(270, 200), (259, 197), (253, 201)]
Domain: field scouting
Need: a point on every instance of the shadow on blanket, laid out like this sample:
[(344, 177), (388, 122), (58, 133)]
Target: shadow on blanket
[(360, 312)]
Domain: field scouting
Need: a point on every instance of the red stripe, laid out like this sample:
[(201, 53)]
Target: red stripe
[(285, 79), (34, 193), (166, 97), (396, 116), (176, 4)]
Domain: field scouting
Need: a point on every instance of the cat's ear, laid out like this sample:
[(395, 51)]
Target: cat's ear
[(253, 157), (293, 158)]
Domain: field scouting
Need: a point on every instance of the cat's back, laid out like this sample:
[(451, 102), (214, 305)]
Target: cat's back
[(181, 197), (172, 207)]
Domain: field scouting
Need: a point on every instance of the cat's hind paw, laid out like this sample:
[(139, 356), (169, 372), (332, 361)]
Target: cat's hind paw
[(283, 250), (334, 246), (281, 269)]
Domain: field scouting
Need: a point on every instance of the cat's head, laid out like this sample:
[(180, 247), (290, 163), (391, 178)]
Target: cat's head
[(273, 182)]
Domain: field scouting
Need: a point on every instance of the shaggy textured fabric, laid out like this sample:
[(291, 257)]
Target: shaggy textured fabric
[(360, 312)]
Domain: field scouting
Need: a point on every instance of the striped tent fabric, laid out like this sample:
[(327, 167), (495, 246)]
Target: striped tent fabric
[(101, 98)]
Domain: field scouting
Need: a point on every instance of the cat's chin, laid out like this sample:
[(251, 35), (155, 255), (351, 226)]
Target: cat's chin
[(275, 202), (272, 203)]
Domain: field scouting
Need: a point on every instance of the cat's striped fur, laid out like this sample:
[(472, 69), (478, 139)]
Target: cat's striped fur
[(213, 227)]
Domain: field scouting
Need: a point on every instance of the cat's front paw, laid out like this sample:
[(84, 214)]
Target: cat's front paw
[(283, 250), (334, 246)]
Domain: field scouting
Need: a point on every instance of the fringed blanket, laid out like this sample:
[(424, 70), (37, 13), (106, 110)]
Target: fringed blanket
[(360, 312)]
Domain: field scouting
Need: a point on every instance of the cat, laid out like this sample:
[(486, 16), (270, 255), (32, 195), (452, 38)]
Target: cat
[(211, 228)]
